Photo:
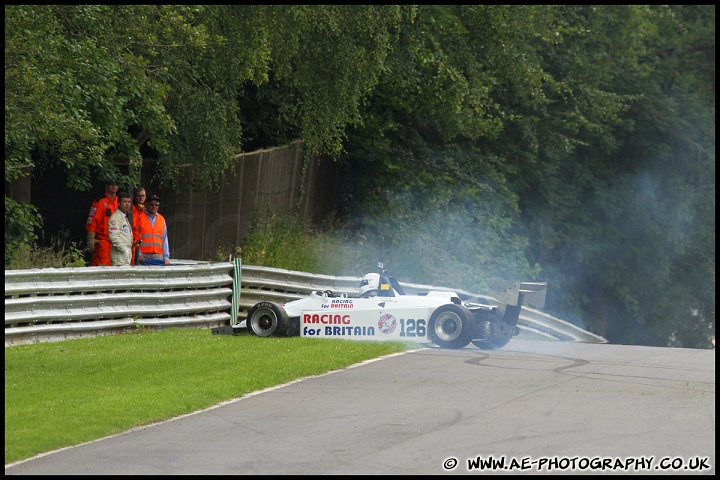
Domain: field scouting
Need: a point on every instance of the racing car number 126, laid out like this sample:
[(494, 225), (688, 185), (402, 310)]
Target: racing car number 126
[(383, 311)]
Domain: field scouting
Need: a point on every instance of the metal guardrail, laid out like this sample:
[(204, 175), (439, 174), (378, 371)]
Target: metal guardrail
[(51, 304), (62, 303)]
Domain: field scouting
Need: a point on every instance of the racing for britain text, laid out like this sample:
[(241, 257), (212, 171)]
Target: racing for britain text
[(409, 328)]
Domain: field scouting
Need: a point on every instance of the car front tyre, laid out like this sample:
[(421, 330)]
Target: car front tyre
[(267, 319)]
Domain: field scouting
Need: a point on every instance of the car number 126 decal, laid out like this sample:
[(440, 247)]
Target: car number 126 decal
[(408, 328), (412, 328)]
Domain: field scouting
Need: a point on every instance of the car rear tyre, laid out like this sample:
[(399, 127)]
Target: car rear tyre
[(501, 333), (451, 326), (266, 319)]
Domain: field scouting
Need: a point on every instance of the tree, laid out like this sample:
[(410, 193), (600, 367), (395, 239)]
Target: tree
[(624, 223), (76, 79), (548, 108), (418, 166), (89, 84)]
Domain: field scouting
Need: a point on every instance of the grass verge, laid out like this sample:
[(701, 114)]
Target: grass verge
[(65, 393)]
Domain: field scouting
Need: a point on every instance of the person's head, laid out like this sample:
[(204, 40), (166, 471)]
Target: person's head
[(124, 202), (139, 196), (152, 204), (369, 282), (111, 188)]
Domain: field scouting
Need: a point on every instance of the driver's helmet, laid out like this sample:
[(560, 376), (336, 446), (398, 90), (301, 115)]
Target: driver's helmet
[(371, 281)]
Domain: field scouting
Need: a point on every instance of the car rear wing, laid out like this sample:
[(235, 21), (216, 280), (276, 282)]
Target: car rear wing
[(531, 293)]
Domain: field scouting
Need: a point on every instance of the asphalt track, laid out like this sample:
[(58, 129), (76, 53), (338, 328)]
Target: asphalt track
[(546, 406)]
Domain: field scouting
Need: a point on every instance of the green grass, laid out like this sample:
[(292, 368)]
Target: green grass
[(65, 393)]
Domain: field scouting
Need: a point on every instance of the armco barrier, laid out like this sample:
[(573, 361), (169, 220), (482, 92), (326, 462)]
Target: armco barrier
[(62, 303), (50, 304)]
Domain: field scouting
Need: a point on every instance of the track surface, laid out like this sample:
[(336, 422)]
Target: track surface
[(547, 404)]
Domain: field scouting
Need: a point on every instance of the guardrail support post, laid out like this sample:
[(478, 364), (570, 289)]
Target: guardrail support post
[(237, 274)]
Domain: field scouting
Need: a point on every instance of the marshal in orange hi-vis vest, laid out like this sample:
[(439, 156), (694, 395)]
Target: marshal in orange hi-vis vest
[(151, 237)]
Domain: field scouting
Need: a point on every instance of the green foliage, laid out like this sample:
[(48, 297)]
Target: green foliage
[(51, 389), (89, 84), (280, 240), (617, 219), (76, 78), (351, 43), (557, 110), (21, 220), (61, 253)]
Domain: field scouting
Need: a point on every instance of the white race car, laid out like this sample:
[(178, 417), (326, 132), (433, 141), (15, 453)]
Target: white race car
[(382, 311)]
